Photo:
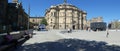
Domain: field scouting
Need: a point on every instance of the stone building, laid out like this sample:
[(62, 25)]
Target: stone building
[(94, 19), (64, 16), (12, 16), (3, 13), (35, 21), (19, 20)]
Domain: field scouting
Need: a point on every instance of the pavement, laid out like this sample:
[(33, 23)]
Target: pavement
[(112, 39), (43, 36), (54, 35)]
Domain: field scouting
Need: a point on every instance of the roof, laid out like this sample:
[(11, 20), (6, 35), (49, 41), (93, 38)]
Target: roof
[(68, 6), (64, 4), (12, 4)]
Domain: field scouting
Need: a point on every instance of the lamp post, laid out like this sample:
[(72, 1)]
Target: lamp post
[(28, 16)]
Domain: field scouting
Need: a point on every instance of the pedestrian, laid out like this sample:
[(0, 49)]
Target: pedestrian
[(107, 34), (89, 29), (68, 30)]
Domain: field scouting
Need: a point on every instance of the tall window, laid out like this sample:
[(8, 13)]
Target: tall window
[(53, 13), (69, 14), (51, 19), (33, 20), (62, 14)]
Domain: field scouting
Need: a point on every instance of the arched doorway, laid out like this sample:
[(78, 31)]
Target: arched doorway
[(54, 27), (73, 27)]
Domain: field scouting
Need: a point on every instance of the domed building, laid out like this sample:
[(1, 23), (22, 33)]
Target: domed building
[(64, 16)]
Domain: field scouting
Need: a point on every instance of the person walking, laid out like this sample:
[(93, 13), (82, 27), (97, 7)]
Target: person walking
[(107, 34)]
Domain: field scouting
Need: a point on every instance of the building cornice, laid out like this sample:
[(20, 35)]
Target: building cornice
[(71, 7), (37, 17)]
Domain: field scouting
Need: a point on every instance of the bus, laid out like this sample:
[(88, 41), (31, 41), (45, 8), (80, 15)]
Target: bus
[(41, 27), (101, 26)]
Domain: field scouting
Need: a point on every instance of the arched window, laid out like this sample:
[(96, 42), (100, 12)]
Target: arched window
[(53, 14), (33, 20), (51, 19)]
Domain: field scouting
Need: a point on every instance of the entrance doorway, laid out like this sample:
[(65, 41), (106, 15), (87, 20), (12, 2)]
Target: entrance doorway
[(73, 27)]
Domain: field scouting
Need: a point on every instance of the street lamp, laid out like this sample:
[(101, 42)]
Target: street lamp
[(28, 16)]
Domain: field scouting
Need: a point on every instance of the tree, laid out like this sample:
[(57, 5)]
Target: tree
[(116, 24), (44, 21)]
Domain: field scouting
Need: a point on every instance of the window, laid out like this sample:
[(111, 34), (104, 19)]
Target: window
[(51, 22), (69, 14), (74, 21), (62, 14), (33, 20), (53, 13), (66, 25)]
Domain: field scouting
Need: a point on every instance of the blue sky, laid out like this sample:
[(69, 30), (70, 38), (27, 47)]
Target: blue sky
[(108, 9)]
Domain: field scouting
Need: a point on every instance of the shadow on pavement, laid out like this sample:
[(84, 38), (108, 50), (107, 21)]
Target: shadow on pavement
[(70, 45), (17, 46)]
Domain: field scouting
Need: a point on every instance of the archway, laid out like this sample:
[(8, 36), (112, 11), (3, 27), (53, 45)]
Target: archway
[(73, 27)]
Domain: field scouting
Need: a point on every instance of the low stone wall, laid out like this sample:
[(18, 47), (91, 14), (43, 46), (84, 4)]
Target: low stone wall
[(16, 35)]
